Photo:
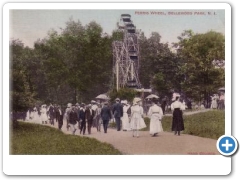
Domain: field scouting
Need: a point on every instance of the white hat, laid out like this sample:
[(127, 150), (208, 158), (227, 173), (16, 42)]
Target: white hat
[(124, 102), (174, 96), (69, 105), (136, 100), (93, 102)]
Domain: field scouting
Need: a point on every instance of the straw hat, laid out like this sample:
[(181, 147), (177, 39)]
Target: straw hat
[(124, 102), (93, 102), (136, 100)]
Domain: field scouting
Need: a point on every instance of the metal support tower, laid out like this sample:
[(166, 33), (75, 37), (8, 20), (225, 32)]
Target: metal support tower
[(126, 55)]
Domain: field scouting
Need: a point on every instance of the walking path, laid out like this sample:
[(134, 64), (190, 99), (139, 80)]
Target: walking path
[(165, 143)]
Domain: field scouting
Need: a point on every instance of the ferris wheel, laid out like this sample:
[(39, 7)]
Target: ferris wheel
[(126, 54)]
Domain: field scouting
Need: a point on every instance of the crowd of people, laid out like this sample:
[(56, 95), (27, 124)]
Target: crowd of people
[(218, 101), (127, 117)]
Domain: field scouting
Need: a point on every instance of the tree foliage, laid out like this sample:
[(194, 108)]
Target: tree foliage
[(197, 53), (75, 65), (21, 96), (159, 65), (124, 94)]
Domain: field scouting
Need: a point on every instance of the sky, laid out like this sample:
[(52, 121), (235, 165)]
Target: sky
[(30, 25)]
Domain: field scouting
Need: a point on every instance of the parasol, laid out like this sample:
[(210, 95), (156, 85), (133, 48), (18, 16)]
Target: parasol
[(152, 96), (221, 89), (102, 97)]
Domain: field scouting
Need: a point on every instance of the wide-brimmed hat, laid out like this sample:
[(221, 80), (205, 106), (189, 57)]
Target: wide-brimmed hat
[(124, 102), (136, 100), (69, 105), (117, 99), (82, 105), (93, 102), (175, 95)]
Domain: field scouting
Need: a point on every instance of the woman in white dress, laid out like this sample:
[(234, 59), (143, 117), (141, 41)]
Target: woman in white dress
[(214, 102), (36, 117), (28, 115), (137, 121), (43, 116), (125, 119), (155, 114), (66, 115)]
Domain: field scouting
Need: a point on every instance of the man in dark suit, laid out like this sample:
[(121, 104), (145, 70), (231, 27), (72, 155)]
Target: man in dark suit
[(118, 113), (55, 107), (106, 116), (163, 104), (82, 119), (89, 114), (51, 114), (59, 117), (73, 118), (77, 106)]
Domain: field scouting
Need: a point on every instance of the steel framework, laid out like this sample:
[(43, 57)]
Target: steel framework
[(126, 55)]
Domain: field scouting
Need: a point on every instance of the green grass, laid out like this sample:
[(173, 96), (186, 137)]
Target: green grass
[(210, 124), (33, 139), (112, 125), (147, 122)]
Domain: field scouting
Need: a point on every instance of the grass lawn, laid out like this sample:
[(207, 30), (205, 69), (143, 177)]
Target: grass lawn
[(210, 124), (34, 139)]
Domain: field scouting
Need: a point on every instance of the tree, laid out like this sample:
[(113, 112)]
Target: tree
[(123, 93), (76, 63), (197, 53), (159, 67), (21, 98)]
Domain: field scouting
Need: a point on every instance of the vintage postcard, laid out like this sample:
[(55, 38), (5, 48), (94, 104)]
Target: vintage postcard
[(116, 83)]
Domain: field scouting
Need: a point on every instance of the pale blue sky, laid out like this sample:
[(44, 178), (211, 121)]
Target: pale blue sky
[(30, 25)]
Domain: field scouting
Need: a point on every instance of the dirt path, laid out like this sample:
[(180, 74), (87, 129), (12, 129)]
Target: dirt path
[(164, 143)]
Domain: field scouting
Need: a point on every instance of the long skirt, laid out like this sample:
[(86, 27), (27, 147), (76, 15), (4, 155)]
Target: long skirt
[(155, 124), (28, 116), (44, 117), (214, 104), (177, 122), (137, 122), (36, 118), (125, 122)]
